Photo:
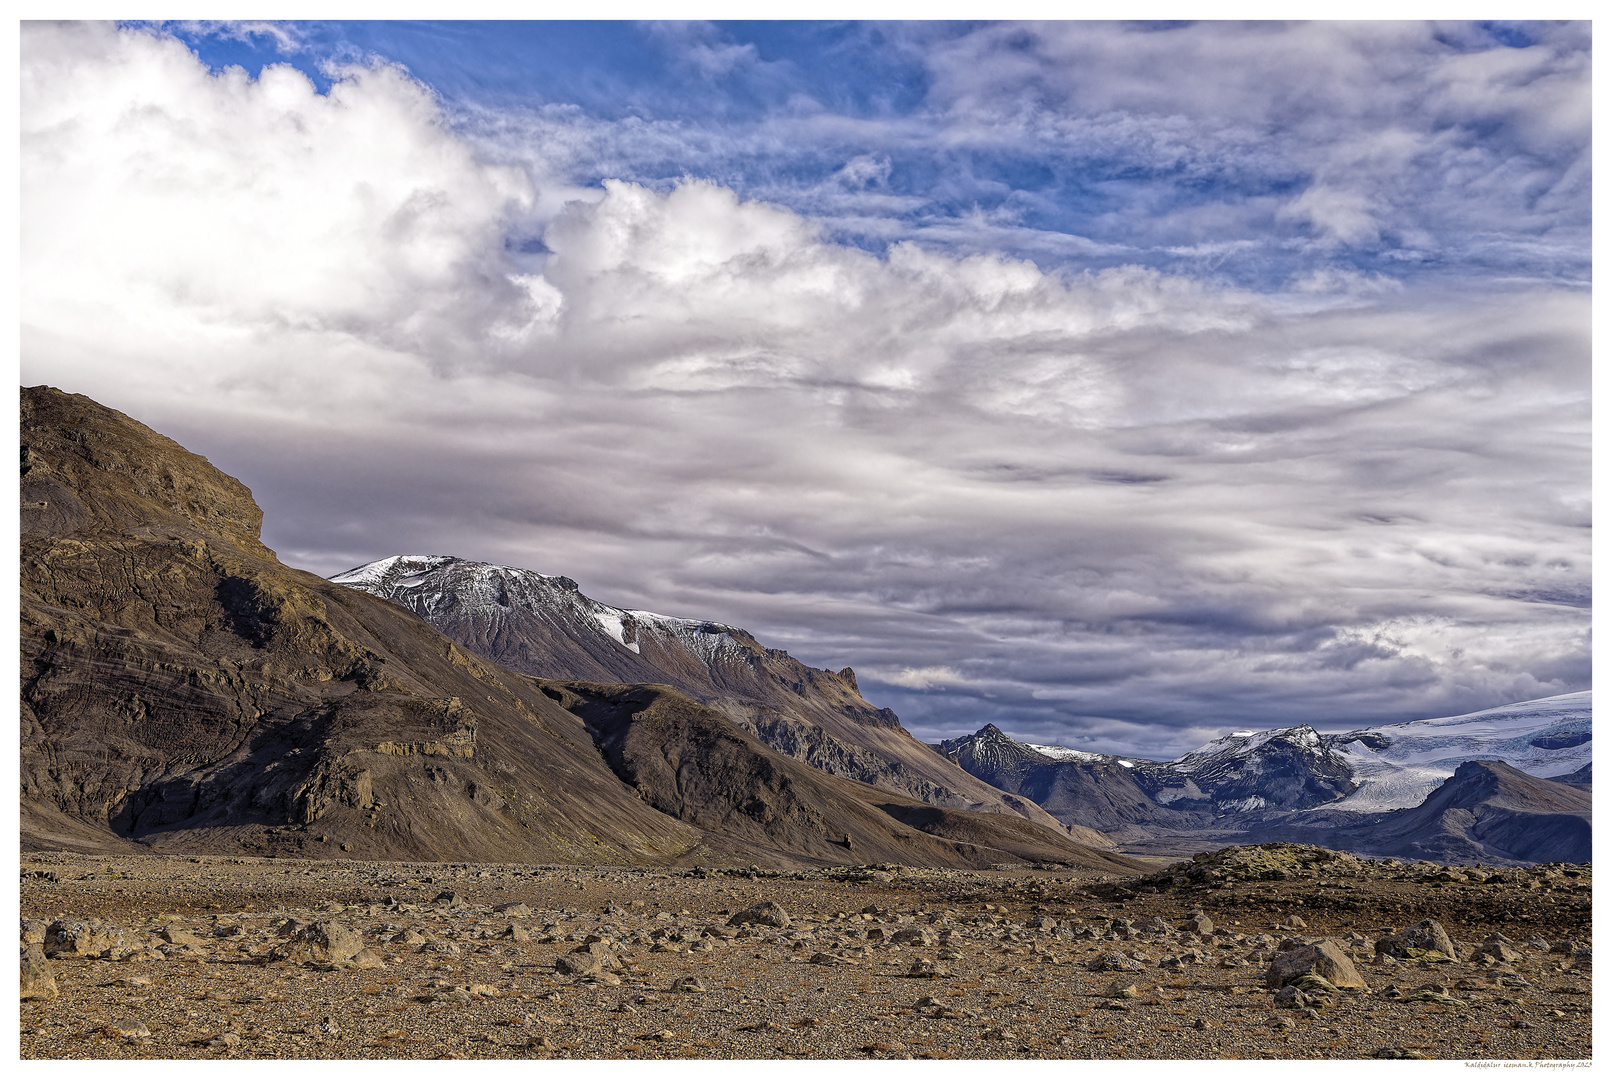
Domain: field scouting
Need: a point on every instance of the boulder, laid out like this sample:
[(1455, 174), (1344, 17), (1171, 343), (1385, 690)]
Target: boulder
[(1325, 958), (63, 938), (368, 959), (583, 963), (1424, 941), (325, 942), (38, 979), (766, 913)]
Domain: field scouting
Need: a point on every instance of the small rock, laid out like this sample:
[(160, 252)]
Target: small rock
[(367, 959), (1114, 961), (830, 960), (577, 964)]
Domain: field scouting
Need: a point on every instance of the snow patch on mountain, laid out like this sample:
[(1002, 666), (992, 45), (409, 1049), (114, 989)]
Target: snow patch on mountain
[(1064, 753), (1398, 765), (439, 584)]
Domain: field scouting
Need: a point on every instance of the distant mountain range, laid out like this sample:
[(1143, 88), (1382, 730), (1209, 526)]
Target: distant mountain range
[(1298, 780)]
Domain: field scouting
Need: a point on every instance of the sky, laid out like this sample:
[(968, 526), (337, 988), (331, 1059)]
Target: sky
[(1116, 384)]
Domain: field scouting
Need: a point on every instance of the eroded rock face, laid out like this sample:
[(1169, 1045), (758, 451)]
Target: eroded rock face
[(182, 687)]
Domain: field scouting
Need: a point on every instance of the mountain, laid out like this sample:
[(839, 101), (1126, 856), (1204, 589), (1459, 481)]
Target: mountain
[(1484, 812), (1125, 797), (690, 762), (545, 626), (1247, 776), (1398, 765), (184, 690), (1284, 769), (1095, 791)]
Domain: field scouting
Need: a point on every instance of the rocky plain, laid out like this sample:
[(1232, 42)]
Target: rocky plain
[(1275, 951)]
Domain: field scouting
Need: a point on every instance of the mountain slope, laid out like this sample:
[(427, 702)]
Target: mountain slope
[(544, 626), (183, 688), (185, 691), (692, 763)]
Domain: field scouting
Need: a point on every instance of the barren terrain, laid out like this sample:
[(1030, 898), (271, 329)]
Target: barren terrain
[(218, 957)]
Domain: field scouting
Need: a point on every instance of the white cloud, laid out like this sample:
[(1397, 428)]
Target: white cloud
[(926, 678)]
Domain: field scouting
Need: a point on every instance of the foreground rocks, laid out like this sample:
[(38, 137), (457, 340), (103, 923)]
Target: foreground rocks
[(160, 957)]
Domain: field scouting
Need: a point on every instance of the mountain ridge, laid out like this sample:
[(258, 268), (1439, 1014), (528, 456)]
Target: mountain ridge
[(543, 625)]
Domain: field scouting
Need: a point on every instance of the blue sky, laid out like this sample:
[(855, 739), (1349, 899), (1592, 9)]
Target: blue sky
[(1120, 385), (887, 130)]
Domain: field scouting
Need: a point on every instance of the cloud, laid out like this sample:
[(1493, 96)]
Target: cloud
[(1122, 507), (920, 678), (700, 46), (254, 207)]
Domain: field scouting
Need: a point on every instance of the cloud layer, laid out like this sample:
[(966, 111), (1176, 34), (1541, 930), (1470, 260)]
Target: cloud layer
[(1122, 501)]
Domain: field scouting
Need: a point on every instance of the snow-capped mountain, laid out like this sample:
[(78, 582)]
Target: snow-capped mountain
[(1285, 769), (502, 600), (1366, 771), (1398, 765), (543, 625)]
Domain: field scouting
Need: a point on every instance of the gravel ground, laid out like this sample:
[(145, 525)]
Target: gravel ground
[(222, 958)]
